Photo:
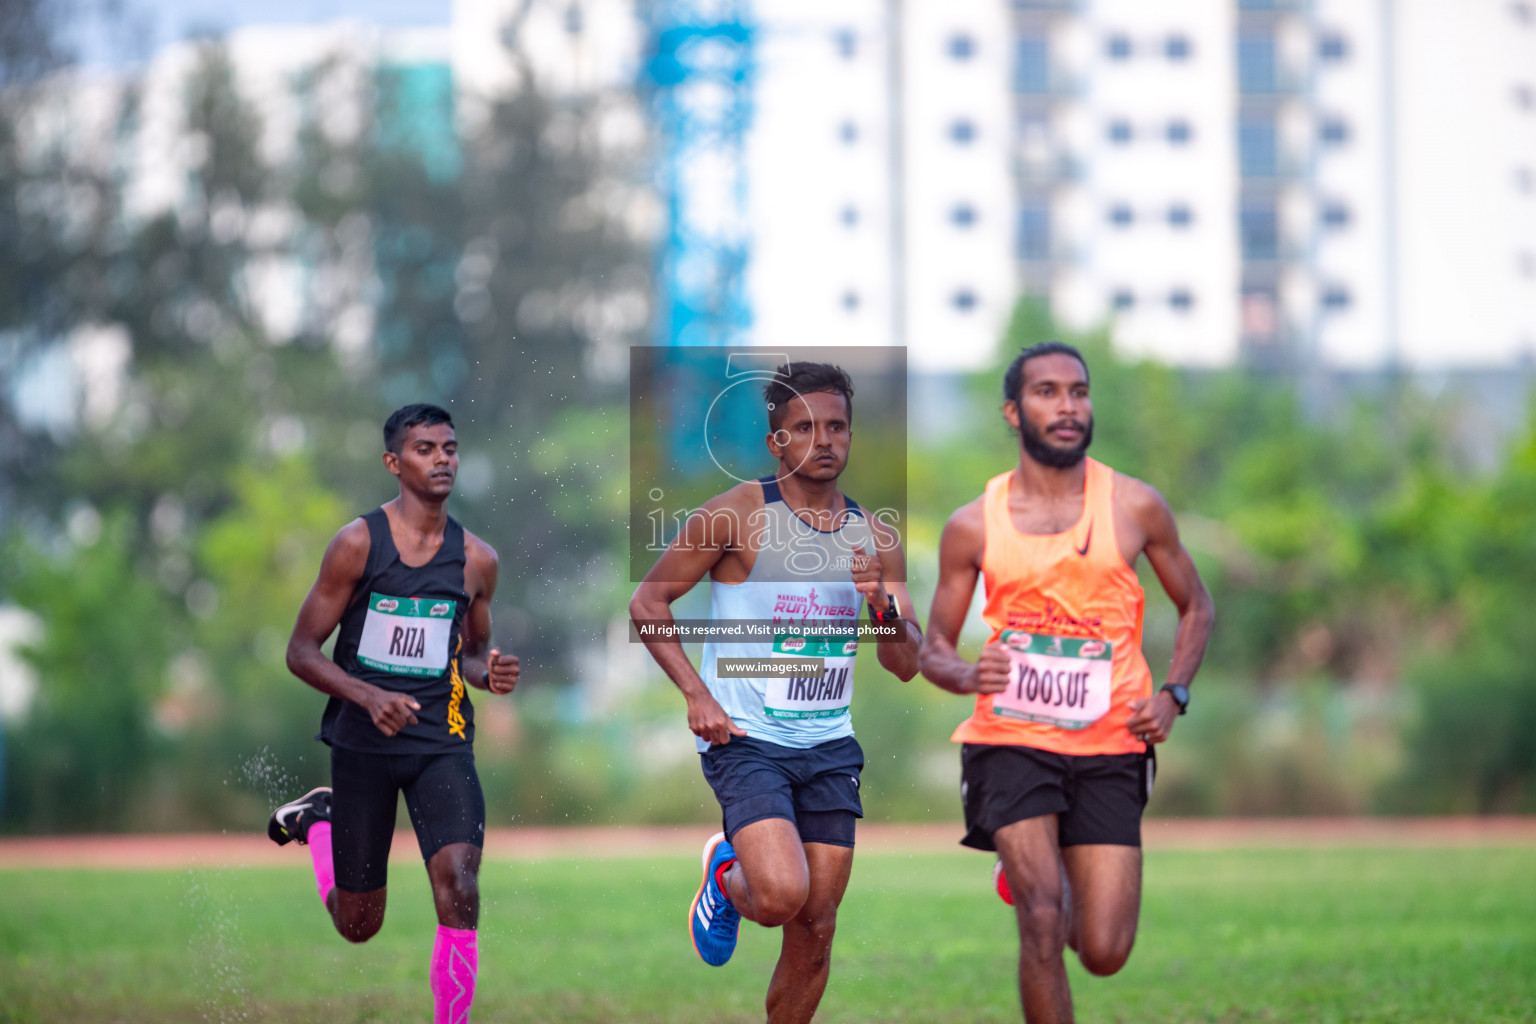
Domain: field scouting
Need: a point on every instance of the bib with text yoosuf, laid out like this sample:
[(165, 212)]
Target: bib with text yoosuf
[(1060, 681), (406, 635)]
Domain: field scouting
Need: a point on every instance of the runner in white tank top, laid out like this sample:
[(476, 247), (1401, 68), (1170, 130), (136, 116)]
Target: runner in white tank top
[(779, 751)]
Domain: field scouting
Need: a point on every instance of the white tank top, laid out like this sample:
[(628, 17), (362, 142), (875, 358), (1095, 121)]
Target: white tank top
[(800, 573)]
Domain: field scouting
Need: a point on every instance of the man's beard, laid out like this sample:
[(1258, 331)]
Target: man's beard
[(1049, 455)]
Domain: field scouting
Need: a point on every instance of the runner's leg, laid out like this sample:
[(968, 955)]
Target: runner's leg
[(770, 880), (454, 871), (1106, 903), (1032, 862), (363, 800), (447, 809), (805, 958)]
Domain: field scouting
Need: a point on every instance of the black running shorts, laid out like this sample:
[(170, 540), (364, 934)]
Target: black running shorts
[(1097, 798), (817, 788), (442, 794)]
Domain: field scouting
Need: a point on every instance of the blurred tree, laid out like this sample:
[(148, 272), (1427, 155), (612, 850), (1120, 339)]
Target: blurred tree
[(80, 757)]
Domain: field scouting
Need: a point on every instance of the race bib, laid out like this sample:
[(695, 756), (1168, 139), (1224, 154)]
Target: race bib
[(407, 636), (826, 695), (1055, 680)]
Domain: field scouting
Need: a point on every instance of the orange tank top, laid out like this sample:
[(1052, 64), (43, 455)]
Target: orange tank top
[(1068, 610)]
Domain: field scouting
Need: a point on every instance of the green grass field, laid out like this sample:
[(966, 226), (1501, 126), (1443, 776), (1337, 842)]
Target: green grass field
[(1317, 935)]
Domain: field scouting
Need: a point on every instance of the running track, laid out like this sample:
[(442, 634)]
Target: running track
[(214, 850)]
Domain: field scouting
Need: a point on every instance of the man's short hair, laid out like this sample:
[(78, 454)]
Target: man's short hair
[(794, 379), (1013, 378), (401, 421)]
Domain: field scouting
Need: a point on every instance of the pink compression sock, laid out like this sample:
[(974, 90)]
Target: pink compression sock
[(320, 853), (455, 960)]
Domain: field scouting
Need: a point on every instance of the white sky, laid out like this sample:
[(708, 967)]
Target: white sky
[(99, 40)]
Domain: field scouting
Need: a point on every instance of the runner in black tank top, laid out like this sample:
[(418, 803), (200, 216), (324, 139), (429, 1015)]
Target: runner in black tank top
[(402, 632), (410, 590)]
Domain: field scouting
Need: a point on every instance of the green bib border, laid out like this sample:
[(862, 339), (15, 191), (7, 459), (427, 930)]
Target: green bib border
[(411, 607), (1069, 647)]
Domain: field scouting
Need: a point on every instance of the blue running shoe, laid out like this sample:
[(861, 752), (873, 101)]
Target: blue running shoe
[(713, 920)]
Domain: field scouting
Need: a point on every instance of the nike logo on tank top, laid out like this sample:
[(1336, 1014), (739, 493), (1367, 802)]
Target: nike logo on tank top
[(1068, 612), (401, 632), (800, 573)]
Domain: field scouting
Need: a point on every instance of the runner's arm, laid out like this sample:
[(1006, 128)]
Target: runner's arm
[(1181, 581), (489, 670), (960, 550), (899, 659), (343, 565), (698, 547)]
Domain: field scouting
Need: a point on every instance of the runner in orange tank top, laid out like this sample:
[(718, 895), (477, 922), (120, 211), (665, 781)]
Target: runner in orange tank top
[(1057, 761)]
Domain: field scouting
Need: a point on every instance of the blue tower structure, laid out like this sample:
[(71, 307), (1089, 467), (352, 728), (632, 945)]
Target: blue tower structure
[(698, 78)]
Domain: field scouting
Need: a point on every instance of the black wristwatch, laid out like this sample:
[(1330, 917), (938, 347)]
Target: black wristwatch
[(891, 614), (1180, 694)]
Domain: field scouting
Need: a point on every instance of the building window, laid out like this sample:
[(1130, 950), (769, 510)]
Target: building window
[(1035, 232), (1032, 64), (1121, 216), (849, 215), (1176, 47), (963, 215), (1256, 63), (1525, 180), (1333, 131), (961, 46), (1257, 148), (1335, 215), (1118, 47), (848, 133), (1526, 262), (1180, 216), (1332, 46), (1336, 297), (1259, 231), (1525, 97), (962, 131), (1178, 132), (963, 300), (850, 300), (1522, 12), (1182, 300), (847, 43), (1119, 131), (1122, 299)]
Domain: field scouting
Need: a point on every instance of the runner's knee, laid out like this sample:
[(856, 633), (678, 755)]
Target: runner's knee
[(359, 924), (1104, 955), (1042, 925), (778, 901), (817, 924), (457, 883)]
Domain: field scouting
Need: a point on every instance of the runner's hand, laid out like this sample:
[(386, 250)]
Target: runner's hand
[(709, 721), (991, 671), (1152, 718), (502, 671), (868, 577), (390, 712)]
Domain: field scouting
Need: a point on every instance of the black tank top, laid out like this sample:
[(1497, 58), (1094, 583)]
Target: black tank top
[(401, 632)]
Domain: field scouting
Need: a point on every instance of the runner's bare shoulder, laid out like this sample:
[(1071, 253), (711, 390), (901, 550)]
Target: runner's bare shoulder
[(965, 533), (479, 557), (722, 521), (347, 554), (1139, 499)]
